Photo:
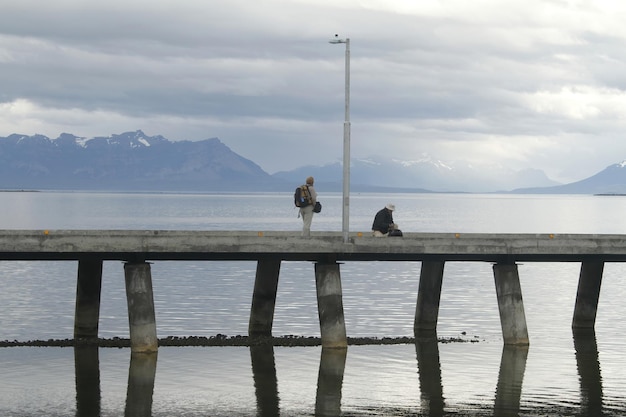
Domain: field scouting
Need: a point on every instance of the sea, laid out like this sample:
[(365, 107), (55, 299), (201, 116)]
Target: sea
[(468, 372)]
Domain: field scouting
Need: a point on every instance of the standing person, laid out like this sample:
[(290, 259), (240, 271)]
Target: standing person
[(383, 221), (307, 211)]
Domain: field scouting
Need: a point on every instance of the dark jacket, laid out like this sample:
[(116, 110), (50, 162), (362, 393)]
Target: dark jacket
[(382, 220)]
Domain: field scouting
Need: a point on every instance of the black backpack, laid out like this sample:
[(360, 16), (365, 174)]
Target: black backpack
[(302, 197)]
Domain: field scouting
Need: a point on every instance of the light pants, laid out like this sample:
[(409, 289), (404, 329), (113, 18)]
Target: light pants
[(307, 218), (378, 233)]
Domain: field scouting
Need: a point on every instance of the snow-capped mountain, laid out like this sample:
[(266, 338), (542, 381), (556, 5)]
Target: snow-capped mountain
[(425, 172), (128, 161), (133, 161)]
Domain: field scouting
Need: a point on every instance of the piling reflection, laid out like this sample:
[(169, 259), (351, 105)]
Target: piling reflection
[(141, 376), (265, 381), (87, 373), (510, 379), (142, 372), (429, 370), (589, 372), (330, 381)]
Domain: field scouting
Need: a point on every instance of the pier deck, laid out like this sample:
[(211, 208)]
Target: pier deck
[(131, 245)]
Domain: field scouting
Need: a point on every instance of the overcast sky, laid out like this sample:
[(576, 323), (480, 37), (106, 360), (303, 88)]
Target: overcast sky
[(527, 83)]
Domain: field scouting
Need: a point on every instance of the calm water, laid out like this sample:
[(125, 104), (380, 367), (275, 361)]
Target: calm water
[(557, 374)]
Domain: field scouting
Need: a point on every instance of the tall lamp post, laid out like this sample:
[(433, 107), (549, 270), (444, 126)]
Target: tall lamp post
[(345, 219)]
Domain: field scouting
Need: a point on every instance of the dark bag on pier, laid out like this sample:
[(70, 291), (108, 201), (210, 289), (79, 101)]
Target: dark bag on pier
[(395, 232), (318, 207)]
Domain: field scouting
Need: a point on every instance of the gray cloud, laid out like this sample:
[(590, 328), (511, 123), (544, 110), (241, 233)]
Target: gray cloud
[(536, 84)]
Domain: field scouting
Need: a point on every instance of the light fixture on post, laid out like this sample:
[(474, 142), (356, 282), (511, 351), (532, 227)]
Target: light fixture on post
[(345, 218)]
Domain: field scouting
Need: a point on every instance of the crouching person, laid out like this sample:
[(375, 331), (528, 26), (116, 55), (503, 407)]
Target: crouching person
[(383, 221)]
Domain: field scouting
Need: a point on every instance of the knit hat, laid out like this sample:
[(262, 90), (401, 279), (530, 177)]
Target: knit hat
[(390, 207)]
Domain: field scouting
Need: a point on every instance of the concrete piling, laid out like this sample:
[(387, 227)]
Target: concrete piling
[(330, 305), (88, 290), (264, 297), (510, 304), (141, 317), (588, 295), (428, 296)]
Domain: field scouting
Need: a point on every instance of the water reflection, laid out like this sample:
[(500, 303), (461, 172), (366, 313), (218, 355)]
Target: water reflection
[(429, 369), (141, 376), (328, 398), (265, 381), (87, 372), (508, 390), (510, 378), (589, 372), (329, 382)]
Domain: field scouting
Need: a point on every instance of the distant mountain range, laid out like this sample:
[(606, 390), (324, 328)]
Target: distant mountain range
[(611, 180), (129, 161), (133, 161), (426, 173)]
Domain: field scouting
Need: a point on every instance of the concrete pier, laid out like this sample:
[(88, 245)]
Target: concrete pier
[(330, 305), (510, 304), (141, 317), (326, 250)]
